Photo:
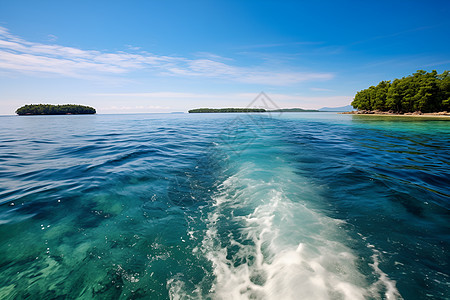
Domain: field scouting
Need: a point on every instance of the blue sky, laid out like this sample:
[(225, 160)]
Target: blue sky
[(163, 56)]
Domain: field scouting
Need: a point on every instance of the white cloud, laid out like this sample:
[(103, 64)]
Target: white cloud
[(134, 48), (18, 55)]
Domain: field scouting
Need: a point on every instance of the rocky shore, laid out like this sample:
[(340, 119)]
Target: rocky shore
[(392, 113)]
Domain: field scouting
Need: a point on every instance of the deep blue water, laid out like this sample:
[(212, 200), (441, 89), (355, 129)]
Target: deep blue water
[(224, 206)]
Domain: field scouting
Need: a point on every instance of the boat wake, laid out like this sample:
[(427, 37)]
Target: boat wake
[(266, 239)]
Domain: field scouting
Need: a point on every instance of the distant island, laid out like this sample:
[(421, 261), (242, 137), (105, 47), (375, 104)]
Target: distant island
[(337, 109), (227, 110), (245, 110), (421, 92), (49, 109)]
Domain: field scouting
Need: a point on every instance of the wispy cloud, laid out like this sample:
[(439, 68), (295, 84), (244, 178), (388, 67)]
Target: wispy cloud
[(212, 68), (19, 55), (437, 63)]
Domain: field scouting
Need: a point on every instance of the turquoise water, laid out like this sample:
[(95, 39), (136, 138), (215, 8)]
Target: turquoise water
[(224, 206)]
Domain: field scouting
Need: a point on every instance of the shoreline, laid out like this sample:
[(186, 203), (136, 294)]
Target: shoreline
[(443, 114)]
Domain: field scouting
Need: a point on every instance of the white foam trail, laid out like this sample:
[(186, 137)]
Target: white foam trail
[(383, 279), (277, 246)]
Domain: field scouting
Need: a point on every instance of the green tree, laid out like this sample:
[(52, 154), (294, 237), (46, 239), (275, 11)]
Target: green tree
[(425, 96), (408, 90), (421, 91), (394, 97), (381, 95), (362, 100), (444, 90)]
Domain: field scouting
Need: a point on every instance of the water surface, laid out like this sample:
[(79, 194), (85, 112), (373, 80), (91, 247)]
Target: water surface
[(224, 206)]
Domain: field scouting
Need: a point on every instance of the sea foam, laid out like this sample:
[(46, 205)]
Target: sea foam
[(266, 239)]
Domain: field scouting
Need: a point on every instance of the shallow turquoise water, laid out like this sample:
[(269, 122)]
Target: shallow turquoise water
[(224, 206)]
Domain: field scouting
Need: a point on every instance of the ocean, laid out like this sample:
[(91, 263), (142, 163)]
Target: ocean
[(224, 206)]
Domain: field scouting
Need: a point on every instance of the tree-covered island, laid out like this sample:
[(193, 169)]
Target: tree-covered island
[(49, 109), (245, 110), (420, 92)]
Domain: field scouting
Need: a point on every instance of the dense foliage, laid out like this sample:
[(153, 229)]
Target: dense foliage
[(422, 91), (226, 110), (49, 109)]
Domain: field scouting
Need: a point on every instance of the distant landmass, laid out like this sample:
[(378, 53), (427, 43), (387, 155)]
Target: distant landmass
[(244, 110), (340, 108), (50, 109), (226, 110)]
